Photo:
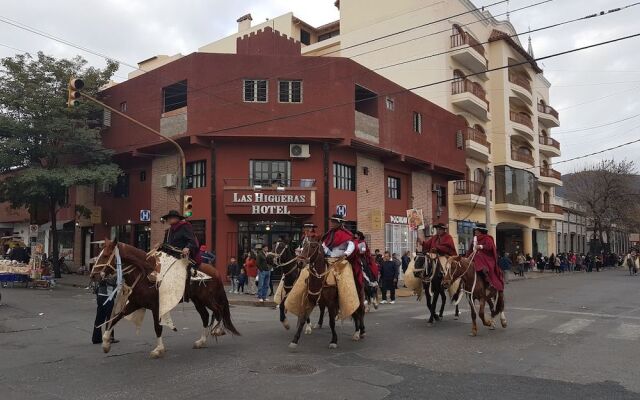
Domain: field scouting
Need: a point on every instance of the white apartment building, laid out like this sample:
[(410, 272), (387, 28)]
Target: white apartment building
[(507, 111)]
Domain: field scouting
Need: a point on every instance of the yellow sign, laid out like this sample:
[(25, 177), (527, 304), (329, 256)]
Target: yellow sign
[(96, 215), (377, 219)]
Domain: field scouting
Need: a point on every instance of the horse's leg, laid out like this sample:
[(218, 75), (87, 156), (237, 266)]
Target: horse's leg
[(474, 325), (159, 350), (307, 327), (500, 309), (457, 314), (321, 317), (430, 305), (283, 316), (333, 312), (486, 322), (301, 322), (106, 336), (204, 315), (443, 297)]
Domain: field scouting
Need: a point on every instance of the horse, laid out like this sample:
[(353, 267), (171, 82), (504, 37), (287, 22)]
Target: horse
[(284, 257), (432, 274), (476, 288), (145, 295), (633, 263)]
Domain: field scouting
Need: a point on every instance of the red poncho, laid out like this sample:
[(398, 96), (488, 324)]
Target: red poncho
[(336, 236), (443, 244), (487, 258)]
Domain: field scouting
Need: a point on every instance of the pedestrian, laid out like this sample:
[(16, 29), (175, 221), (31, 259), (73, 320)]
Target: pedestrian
[(578, 263), (389, 278), (505, 266), (557, 264), (521, 264), (208, 257), (406, 259), (233, 272), (398, 262), (564, 264), (252, 273), (242, 280), (105, 299), (551, 263), (264, 274)]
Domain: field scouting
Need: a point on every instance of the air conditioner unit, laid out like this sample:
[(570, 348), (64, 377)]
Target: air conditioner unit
[(168, 180), (299, 151)]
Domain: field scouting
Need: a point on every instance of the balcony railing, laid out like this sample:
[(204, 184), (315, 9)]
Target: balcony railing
[(520, 81), (545, 109), (547, 141), (269, 183), (477, 136), (465, 85), (520, 118), (522, 157), (550, 208), (468, 187), (458, 40), (550, 173)]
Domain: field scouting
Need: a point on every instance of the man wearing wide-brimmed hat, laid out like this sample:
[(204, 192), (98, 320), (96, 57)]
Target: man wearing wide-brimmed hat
[(337, 242), (486, 256), (180, 234), (440, 243)]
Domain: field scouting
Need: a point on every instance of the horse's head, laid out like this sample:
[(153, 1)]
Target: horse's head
[(458, 266), (105, 265), (419, 265), (312, 250)]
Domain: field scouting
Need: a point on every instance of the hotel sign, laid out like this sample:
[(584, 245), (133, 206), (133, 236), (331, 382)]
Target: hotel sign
[(269, 202)]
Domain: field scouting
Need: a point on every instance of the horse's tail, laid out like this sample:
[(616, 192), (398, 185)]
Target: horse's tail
[(226, 318)]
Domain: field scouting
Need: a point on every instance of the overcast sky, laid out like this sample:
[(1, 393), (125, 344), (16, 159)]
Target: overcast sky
[(590, 88)]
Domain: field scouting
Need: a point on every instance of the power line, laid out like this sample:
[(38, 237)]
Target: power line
[(13, 48)]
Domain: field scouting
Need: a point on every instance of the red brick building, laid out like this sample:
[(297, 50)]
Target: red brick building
[(274, 139)]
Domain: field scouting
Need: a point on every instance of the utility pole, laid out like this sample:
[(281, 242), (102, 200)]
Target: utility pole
[(183, 162), (487, 207)]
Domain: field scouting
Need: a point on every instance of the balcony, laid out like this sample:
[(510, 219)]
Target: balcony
[(549, 146), (516, 209), (476, 145), (271, 198), (469, 193), (550, 211), (550, 176), (522, 157), (522, 124), (470, 53), (367, 127), (471, 97), (548, 116), (521, 86)]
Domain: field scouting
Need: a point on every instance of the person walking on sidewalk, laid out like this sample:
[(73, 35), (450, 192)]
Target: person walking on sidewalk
[(233, 272), (252, 272), (389, 278), (264, 272), (505, 266)]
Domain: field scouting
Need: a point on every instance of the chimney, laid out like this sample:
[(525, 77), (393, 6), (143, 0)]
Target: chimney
[(244, 22)]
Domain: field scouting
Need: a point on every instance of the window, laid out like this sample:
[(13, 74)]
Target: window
[(143, 176), (305, 37), (417, 122), (344, 177), (328, 35), (174, 96), (123, 106), (199, 230), (390, 104), (121, 188), (196, 174), (441, 198), (270, 172), (255, 90), (393, 187), (399, 238), (290, 91)]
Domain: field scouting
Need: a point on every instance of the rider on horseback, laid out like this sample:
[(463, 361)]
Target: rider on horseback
[(441, 244), (180, 236), (338, 242), (486, 257)]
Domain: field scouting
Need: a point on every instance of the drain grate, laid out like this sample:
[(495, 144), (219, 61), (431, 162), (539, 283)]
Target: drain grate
[(293, 369)]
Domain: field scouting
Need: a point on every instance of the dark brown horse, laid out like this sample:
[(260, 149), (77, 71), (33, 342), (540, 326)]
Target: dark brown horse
[(136, 268), (476, 288), (431, 271), (284, 257)]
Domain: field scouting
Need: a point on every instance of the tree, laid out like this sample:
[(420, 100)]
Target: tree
[(45, 147), (606, 190)]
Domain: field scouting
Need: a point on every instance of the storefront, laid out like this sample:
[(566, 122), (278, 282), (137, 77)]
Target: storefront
[(398, 237), (465, 236)]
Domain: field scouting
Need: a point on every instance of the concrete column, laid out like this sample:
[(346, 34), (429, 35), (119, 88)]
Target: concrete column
[(527, 241)]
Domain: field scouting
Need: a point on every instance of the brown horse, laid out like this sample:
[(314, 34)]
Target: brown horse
[(476, 288), (431, 271), (137, 267)]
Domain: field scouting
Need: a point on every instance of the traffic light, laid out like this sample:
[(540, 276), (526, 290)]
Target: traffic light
[(187, 206), (75, 85)]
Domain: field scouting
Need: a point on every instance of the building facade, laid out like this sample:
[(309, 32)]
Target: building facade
[(273, 140), (506, 112), (571, 231)]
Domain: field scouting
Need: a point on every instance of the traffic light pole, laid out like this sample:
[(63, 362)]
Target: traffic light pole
[(183, 162)]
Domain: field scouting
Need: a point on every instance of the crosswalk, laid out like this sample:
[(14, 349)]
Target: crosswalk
[(568, 323)]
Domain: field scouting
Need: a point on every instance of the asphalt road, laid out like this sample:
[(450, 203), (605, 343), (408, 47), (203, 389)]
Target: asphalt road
[(569, 337)]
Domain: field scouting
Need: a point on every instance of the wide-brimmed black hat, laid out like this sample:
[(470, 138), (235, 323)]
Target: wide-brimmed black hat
[(309, 225), (172, 213), (358, 234), (337, 218), (481, 227), (440, 226)]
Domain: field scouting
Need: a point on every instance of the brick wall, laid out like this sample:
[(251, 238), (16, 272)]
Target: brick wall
[(371, 196), (421, 194), (162, 199), (174, 122)]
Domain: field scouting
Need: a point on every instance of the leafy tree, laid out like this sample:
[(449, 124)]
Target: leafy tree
[(45, 147)]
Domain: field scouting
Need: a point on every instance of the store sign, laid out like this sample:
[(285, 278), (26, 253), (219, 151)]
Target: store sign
[(396, 219), (145, 215), (341, 210), (96, 215), (270, 202)]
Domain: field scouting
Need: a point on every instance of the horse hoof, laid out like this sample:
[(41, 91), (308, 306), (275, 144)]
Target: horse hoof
[(316, 326), (293, 346), (492, 327), (503, 323), (474, 332), (106, 347), (157, 354), (356, 337), (308, 330), (199, 345), (286, 325), (456, 317), (333, 346), (430, 324), (218, 332)]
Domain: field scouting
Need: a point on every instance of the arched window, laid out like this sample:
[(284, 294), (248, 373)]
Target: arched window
[(539, 198), (457, 30), (524, 150), (478, 175), (458, 75), (542, 102), (545, 164), (543, 132), (546, 198), (478, 128)]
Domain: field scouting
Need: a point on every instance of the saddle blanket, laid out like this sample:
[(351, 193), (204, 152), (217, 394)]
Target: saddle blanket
[(171, 282)]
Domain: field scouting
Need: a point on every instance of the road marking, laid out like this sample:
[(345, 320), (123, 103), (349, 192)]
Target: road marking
[(587, 314), (573, 326), (626, 332), (530, 319)]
